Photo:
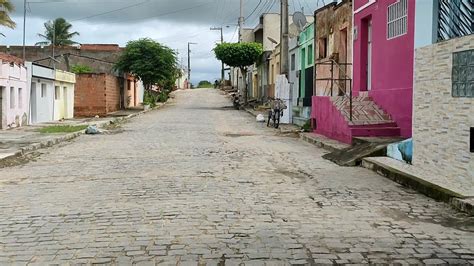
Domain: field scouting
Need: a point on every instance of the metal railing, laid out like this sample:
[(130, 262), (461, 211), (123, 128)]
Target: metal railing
[(341, 78), (455, 18)]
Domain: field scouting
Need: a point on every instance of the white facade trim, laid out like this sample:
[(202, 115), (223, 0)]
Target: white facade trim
[(365, 6)]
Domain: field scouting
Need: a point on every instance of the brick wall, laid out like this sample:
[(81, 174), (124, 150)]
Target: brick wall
[(89, 95), (442, 122), (112, 93)]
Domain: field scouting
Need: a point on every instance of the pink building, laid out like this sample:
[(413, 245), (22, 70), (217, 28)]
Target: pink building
[(383, 56), (380, 104)]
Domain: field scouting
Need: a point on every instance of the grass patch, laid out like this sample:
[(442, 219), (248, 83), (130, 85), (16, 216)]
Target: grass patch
[(62, 129)]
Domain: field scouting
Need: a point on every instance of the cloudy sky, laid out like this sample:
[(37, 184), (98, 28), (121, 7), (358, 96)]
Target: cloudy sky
[(172, 22)]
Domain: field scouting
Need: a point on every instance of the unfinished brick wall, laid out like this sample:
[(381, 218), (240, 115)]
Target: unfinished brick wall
[(89, 95), (112, 93), (96, 94)]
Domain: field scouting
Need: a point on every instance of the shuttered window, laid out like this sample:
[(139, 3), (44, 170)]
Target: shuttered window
[(397, 19)]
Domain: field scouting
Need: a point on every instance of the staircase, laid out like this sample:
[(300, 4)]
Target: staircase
[(368, 119)]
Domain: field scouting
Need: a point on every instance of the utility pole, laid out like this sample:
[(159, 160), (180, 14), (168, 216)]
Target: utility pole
[(222, 65), (24, 30), (189, 64), (241, 20), (284, 65)]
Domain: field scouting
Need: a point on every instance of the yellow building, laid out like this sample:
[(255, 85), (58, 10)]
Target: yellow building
[(64, 95)]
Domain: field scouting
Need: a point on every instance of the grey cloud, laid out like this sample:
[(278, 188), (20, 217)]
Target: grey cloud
[(172, 22)]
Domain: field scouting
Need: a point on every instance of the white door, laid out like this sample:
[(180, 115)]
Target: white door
[(34, 104), (369, 56)]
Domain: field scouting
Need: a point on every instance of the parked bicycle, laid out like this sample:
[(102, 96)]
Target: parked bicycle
[(276, 112)]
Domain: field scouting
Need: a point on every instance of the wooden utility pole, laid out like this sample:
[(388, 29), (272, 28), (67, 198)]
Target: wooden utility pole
[(284, 49)]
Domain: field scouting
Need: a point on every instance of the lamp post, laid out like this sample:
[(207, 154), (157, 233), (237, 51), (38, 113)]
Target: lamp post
[(189, 63)]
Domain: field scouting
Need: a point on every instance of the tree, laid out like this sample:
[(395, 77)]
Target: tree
[(58, 32), (81, 69), (6, 7), (153, 63), (241, 55), (205, 84)]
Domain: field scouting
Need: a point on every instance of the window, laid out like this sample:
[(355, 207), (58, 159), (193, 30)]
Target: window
[(293, 62), (20, 98), (323, 47), (57, 93), (462, 75), (397, 19), (12, 97), (43, 90), (310, 54)]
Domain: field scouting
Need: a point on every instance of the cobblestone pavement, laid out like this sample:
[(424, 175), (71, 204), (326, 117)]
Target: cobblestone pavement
[(200, 183)]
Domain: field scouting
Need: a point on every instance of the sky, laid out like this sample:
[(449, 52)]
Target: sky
[(170, 22)]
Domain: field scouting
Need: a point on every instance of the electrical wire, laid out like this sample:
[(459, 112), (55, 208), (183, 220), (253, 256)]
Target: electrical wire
[(113, 11)]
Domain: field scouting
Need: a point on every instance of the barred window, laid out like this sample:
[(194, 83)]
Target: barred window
[(397, 19)]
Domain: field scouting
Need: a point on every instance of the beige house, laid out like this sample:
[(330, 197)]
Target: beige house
[(64, 86)]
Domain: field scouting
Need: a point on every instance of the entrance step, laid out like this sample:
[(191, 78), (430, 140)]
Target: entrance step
[(362, 148)]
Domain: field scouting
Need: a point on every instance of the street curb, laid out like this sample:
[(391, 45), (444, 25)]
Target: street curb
[(71, 136), (318, 143), (423, 186)]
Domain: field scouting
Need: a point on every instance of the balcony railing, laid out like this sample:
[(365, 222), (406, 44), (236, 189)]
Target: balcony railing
[(336, 80)]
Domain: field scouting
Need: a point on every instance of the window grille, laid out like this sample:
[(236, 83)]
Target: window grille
[(397, 19), (456, 19)]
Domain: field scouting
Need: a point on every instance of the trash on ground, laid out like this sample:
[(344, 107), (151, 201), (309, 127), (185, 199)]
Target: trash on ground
[(260, 118), (92, 130)]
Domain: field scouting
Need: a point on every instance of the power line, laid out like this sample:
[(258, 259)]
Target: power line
[(113, 11), (253, 11)]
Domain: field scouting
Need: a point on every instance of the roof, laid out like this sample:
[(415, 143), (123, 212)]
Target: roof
[(11, 59)]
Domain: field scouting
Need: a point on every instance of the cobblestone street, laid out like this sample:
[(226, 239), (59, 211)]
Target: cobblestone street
[(198, 182)]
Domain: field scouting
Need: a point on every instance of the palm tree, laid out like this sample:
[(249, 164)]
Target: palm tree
[(6, 7), (59, 31)]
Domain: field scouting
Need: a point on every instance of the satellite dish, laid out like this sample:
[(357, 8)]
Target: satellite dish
[(299, 19)]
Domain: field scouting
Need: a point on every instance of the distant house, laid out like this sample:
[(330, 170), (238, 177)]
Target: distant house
[(14, 96), (64, 86), (100, 58), (42, 99)]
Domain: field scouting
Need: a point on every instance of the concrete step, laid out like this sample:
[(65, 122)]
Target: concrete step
[(299, 121), (375, 131)]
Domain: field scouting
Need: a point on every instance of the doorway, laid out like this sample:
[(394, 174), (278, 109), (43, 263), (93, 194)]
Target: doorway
[(33, 102), (343, 69), (1, 107), (65, 104), (369, 55)]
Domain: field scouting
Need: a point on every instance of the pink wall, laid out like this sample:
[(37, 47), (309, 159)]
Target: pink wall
[(330, 122), (392, 61)]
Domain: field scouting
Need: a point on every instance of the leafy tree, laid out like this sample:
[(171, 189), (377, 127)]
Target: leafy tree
[(241, 55), (81, 69), (58, 32), (152, 62), (204, 84), (6, 7)]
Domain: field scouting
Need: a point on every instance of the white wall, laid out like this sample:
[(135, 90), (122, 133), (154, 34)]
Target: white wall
[(14, 111), (42, 104)]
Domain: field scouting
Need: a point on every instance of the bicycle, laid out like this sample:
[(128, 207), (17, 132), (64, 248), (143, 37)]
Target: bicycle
[(276, 111)]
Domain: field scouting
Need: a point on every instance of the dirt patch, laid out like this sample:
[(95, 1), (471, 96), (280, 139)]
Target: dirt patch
[(20, 160)]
